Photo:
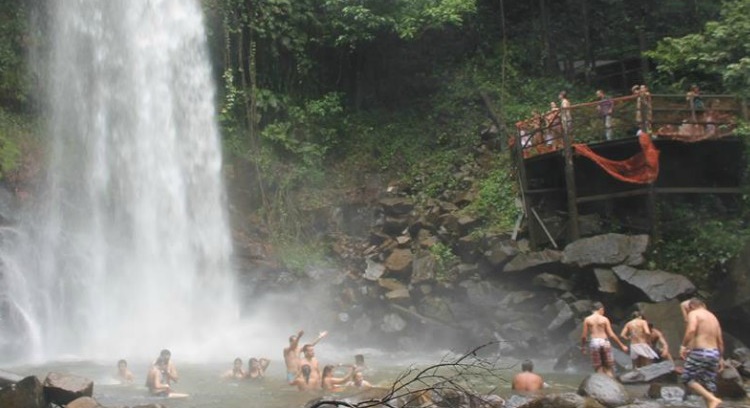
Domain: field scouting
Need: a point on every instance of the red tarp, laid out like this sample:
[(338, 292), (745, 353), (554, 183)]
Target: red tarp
[(643, 168)]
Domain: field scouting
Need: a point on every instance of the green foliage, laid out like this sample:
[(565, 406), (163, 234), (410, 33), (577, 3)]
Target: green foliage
[(445, 260), (14, 131), (700, 249), (716, 57), (14, 78), (298, 255), (496, 201)]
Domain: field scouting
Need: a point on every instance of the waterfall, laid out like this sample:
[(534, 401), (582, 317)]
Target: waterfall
[(127, 249)]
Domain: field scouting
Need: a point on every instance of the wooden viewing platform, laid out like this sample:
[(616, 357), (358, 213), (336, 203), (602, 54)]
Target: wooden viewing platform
[(691, 151)]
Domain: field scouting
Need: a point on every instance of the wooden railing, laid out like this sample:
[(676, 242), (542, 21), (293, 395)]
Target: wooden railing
[(668, 116)]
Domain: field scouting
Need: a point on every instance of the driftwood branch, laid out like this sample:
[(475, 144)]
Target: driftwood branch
[(449, 379)]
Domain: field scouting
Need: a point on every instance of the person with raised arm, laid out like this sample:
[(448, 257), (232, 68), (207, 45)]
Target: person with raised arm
[(292, 355)]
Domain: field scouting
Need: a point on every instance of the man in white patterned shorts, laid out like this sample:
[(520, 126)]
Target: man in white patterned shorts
[(598, 326)]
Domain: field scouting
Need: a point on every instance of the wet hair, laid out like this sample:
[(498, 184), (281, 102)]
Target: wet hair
[(527, 365), (327, 370), (563, 94), (306, 372), (636, 314), (237, 360), (292, 338), (165, 353), (122, 362), (650, 326), (695, 302), (306, 347), (252, 360), (596, 306)]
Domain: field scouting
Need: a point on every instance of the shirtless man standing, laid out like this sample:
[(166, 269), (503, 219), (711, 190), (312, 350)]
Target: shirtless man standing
[(527, 380), (291, 355), (598, 326), (640, 351), (659, 343), (702, 348)]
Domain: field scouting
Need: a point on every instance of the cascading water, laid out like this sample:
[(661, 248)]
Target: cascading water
[(127, 250)]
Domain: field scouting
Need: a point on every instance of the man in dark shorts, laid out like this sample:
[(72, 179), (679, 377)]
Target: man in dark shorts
[(702, 348)]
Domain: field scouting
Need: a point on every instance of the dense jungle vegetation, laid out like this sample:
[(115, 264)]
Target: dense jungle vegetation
[(313, 93)]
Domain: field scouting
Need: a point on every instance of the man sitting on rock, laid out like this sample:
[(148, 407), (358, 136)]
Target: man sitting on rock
[(600, 329), (637, 330), (527, 380)]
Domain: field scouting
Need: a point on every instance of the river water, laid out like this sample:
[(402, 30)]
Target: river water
[(206, 389)]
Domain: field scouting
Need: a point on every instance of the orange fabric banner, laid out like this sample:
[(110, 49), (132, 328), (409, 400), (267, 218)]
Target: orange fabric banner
[(643, 168)]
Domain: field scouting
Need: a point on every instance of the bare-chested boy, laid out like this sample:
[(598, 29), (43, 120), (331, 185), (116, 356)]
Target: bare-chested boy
[(702, 348), (600, 330), (639, 333), (527, 380), (292, 358)]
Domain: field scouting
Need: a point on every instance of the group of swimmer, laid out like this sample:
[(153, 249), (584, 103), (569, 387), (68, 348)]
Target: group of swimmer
[(303, 369), (701, 348), (160, 377)]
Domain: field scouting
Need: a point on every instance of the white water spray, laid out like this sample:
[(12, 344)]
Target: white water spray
[(129, 249)]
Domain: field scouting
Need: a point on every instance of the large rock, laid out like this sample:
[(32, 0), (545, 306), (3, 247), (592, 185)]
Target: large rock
[(564, 315), (608, 282), (392, 323), (26, 393), (548, 280), (643, 404), (729, 384), (732, 299), (564, 400), (84, 402), (62, 389), (481, 292), (399, 261), (605, 390), (423, 268), (526, 260), (8, 378), (395, 206), (668, 393), (607, 249), (658, 286), (374, 270), (648, 373), (501, 252)]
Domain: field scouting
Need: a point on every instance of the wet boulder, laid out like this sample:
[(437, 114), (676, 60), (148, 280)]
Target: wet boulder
[(423, 268), (84, 402), (8, 378), (605, 390), (61, 389), (564, 400), (516, 400), (643, 404), (501, 251), (528, 260), (729, 384), (551, 281), (658, 286), (648, 373), (26, 393), (606, 249), (668, 393)]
